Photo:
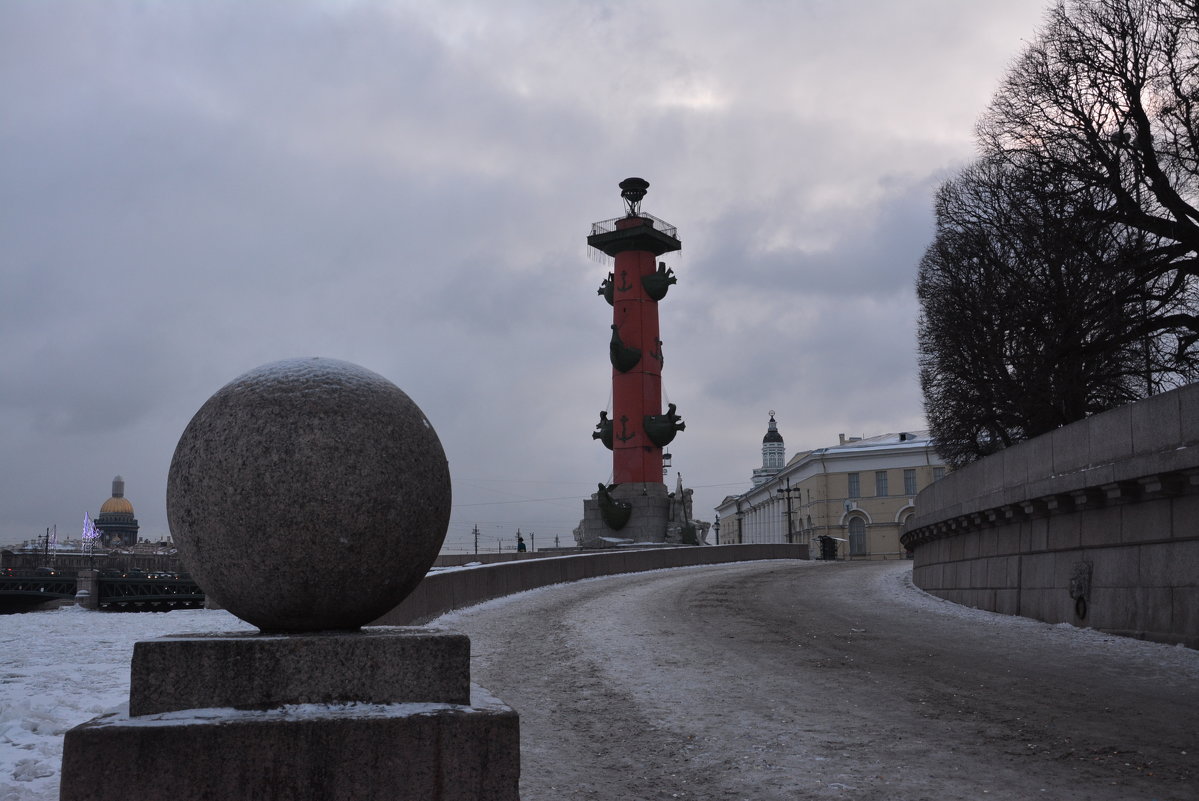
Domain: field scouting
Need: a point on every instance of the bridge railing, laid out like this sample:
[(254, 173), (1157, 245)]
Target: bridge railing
[(125, 593), (45, 586)]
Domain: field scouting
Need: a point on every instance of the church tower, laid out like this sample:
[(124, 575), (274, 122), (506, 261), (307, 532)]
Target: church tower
[(118, 526), (774, 453)]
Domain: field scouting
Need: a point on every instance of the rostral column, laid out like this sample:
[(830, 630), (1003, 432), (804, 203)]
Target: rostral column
[(638, 430)]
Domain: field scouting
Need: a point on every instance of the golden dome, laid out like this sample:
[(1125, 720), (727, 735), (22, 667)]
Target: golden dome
[(117, 506)]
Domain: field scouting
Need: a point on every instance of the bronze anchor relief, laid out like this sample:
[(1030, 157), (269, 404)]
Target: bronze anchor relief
[(624, 435)]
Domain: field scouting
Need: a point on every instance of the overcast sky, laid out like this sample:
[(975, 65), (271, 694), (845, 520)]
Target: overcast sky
[(191, 189)]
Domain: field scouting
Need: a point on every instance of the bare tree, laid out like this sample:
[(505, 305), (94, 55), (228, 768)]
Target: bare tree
[(1108, 97), (1062, 280), (1034, 312)]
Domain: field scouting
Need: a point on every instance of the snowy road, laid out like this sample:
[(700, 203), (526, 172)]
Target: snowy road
[(782, 680), (765, 680)]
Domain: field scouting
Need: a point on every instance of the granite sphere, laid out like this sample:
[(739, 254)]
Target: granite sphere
[(308, 495)]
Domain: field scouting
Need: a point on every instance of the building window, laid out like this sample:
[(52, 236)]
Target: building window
[(855, 489), (857, 536), (880, 483), (938, 473), (909, 482)]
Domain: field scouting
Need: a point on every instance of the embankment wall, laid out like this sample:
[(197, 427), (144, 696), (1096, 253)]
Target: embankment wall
[(1095, 524)]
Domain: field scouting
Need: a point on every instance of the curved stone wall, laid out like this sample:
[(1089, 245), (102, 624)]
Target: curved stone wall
[(453, 589), (1095, 524)]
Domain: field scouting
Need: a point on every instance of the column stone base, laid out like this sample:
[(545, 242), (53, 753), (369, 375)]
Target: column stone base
[(648, 522)]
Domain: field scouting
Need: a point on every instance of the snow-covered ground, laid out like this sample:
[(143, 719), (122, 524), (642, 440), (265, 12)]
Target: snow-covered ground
[(63, 667)]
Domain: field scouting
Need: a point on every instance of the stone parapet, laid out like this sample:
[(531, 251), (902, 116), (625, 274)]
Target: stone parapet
[(445, 591), (1093, 524), (1156, 436)]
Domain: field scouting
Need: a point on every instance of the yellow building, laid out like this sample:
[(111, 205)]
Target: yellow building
[(858, 492)]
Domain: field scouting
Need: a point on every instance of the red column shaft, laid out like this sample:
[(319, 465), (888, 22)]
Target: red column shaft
[(638, 392)]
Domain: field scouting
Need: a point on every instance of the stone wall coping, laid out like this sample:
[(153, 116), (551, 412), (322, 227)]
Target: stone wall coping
[(1153, 443), (446, 590)]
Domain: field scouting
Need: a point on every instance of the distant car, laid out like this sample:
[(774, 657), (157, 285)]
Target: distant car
[(7, 571), (45, 571)]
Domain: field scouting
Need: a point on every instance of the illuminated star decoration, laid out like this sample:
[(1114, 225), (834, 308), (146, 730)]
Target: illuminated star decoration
[(90, 532)]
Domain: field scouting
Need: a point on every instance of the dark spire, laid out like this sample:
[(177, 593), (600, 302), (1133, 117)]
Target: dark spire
[(772, 431)]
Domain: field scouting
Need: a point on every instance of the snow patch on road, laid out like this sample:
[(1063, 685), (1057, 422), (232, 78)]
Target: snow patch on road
[(448, 619), (896, 585)]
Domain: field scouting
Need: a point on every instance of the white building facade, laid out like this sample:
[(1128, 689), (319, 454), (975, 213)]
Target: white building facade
[(858, 492)]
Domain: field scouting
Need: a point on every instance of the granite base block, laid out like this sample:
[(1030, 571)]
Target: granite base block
[(305, 752), (259, 671)]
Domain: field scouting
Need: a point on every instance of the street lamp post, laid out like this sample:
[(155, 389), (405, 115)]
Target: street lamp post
[(786, 493)]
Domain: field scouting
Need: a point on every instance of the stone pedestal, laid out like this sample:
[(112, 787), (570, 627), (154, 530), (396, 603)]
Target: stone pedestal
[(373, 714), (647, 523), (343, 485), (87, 589), (263, 671)]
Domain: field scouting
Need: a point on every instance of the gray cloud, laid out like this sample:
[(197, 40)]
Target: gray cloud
[(191, 190)]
